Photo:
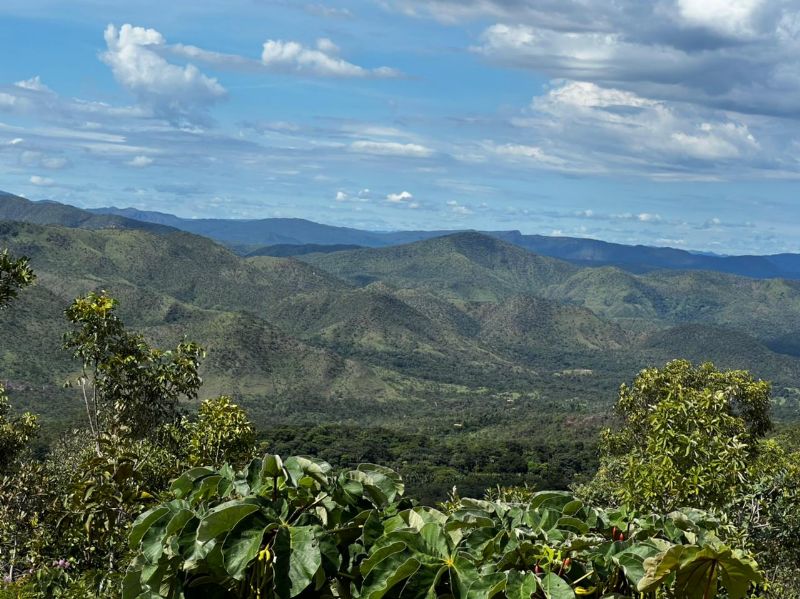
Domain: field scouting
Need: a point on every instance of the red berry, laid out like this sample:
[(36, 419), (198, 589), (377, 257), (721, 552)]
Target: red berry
[(537, 569), (567, 562), (621, 537), (614, 533)]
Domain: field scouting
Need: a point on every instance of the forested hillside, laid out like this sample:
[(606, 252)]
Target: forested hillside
[(471, 337), (688, 496)]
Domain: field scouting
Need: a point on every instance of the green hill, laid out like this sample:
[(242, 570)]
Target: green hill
[(464, 339), (466, 266), (15, 208), (475, 267)]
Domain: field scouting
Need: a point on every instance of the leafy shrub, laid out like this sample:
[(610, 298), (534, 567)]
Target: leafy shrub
[(288, 529)]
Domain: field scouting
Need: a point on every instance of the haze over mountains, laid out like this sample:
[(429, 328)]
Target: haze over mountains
[(255, 236), (294, 237)]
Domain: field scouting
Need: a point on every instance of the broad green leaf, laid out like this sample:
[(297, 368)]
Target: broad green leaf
[(223, 518), (520, 585), (242, 545), (573, 525), (297, 559), (272, 467), (143, 523), (434, 540), (186, 482), (487, 586), (299, 467), (555, 587), (551, 499), (632, 559), (379, 554), (659, 567), (699, 573), (387, 573)]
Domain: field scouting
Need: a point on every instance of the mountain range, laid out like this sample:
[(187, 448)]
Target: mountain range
[(288, 236), (366, 332), (462, 337), (293, 237)]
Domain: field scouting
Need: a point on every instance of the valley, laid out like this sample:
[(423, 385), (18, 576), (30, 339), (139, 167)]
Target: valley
[(463, 338)]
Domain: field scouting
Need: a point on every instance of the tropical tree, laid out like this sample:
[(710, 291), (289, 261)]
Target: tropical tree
[(127, 387), (221, 433), (15, 432), (15, 274), (689, 436)]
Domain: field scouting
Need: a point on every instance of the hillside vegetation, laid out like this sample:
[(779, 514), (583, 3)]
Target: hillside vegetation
[(466, 335)]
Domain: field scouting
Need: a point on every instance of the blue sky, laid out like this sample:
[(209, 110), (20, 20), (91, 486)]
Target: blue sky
[(672, 122)]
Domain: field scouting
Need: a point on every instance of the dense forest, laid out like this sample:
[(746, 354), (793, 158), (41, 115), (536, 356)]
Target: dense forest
[(690, 493)]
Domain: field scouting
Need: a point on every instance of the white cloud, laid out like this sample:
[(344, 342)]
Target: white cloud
[(34, 84), (55, 162), (581, 126), (525, 153), (390, 148), (140, 161), (216, 59), (586, 94), (359, 197), (172, 91), (736, 18), (320, 61), (15, 141), (726, 54), (647, 217), (12, 102), (457, 208), (41, 181), (403, 198), (716, 141)]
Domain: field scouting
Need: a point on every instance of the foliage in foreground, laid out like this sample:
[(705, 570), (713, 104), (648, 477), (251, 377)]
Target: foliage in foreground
[(78, 522), (294, 529)]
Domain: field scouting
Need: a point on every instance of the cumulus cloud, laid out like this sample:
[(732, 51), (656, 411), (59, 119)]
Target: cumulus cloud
[(42, 181), (140, 161), (171, 91), (322, 60), (34, 84), (731, 18), (716, 53), (391, 148), (581, 126), (457, 208), (360, 196), (403, 198)]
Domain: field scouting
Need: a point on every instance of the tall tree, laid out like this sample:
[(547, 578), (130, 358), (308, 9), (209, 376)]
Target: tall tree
[(689, 436), (127, 386), (15, 432)]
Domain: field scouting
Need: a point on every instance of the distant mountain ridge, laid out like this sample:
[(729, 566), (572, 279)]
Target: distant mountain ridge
[(295, 237), (15, 208), (585, 252)]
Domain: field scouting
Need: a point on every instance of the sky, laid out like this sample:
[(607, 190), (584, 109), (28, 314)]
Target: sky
[(670, 122)]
